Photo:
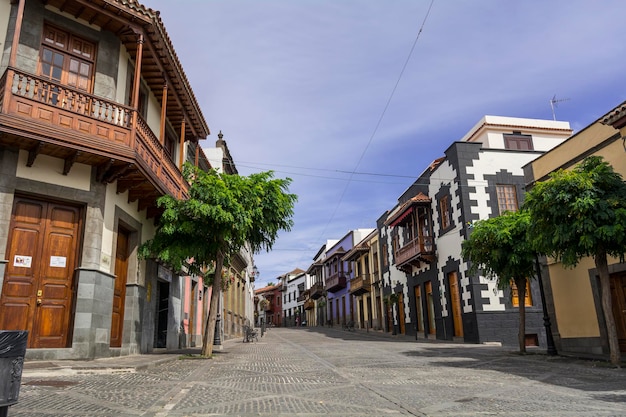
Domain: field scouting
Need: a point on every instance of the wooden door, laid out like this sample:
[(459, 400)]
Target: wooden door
[(119, 291), (401, 313), (38, 289), (430, 308), (455, 301), (361, 313), (618, 298), (418, 308)]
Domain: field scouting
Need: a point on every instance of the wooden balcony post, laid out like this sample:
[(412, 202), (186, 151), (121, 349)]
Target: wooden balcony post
[(137, 80), (182, 145), (16, 34), (163, 113), (197, 152), (8, 86)]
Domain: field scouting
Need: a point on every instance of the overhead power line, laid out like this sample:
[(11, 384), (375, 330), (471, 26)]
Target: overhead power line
[(380, 119)]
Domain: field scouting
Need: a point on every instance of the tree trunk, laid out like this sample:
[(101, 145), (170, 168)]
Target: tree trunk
[(521, 303), (209, 329), (607, 308)]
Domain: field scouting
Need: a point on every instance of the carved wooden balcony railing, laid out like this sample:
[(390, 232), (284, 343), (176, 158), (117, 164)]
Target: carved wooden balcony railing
[(414, 252), (360, 284), (336, 282), (302, 297), (309, 305), (60, 116), (317, 290)]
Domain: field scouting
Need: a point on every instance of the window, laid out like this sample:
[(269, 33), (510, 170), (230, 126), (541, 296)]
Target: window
[(385, 254), (170, 145), (67, 59), (396, 244), (507, 198), (444, 210), (517, 141), (375, 259), (527, 299)]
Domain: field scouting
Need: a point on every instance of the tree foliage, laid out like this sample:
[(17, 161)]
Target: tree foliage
[(582, 213), (577, 212), (499, 248), (222, 214)]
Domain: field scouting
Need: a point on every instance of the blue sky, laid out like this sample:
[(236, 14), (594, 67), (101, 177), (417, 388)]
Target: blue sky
[(304, 87)]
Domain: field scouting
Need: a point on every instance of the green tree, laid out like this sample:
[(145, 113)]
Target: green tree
[(500, 249), (222, 214), (582, 213)]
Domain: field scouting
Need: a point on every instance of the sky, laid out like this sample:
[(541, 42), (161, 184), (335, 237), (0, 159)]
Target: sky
[(352, 99)]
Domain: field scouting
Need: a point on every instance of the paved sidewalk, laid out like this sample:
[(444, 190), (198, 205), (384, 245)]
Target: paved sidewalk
[(112, 365)]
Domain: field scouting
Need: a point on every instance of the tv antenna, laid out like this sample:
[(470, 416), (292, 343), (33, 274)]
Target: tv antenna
[(554, 102)]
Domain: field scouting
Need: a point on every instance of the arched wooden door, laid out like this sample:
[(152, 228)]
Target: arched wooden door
[(38, 289)]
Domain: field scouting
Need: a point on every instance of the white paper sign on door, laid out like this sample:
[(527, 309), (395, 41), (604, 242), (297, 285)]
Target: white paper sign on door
[(58, 261), (22, 261)]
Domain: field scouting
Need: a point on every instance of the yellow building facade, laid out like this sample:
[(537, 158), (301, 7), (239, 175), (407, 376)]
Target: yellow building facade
[(573, 295)]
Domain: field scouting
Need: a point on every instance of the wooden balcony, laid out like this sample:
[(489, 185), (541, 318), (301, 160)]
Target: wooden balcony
[(336, 282), (43, 117), (360, 284), (414, 252), (309, 305), (302, 297), (317, 290)]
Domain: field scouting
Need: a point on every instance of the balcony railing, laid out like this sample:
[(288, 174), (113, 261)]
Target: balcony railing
[(301, 298), (87, 122), (61, 101), (360, 284), (420, 249), (336, 282), (309, 305), (317, 290)]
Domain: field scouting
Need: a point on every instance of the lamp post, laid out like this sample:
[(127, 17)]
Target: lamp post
[(217, 339)]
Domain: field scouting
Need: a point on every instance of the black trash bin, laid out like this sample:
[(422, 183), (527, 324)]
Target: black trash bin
[(12, 351)]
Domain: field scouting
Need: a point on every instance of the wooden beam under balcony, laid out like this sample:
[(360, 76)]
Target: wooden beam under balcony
[(69, 162), (32, 154)]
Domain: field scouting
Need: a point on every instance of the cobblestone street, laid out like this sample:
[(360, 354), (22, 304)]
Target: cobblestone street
[(315, 372)]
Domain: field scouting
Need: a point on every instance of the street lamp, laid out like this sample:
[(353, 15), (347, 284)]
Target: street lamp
[(217, 340)]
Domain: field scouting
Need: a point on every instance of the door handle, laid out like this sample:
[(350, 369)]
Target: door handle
[(39, 301)]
